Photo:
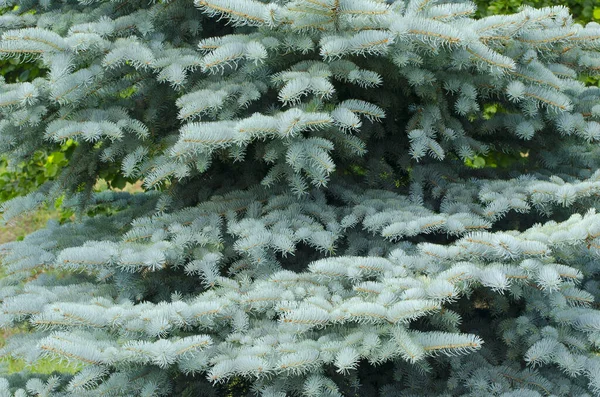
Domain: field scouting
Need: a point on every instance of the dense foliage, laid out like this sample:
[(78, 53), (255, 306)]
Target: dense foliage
[(23, 178), (583, 10), (315, 220)]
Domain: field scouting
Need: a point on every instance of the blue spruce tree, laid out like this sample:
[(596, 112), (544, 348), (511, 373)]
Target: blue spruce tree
[(311, 223)]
